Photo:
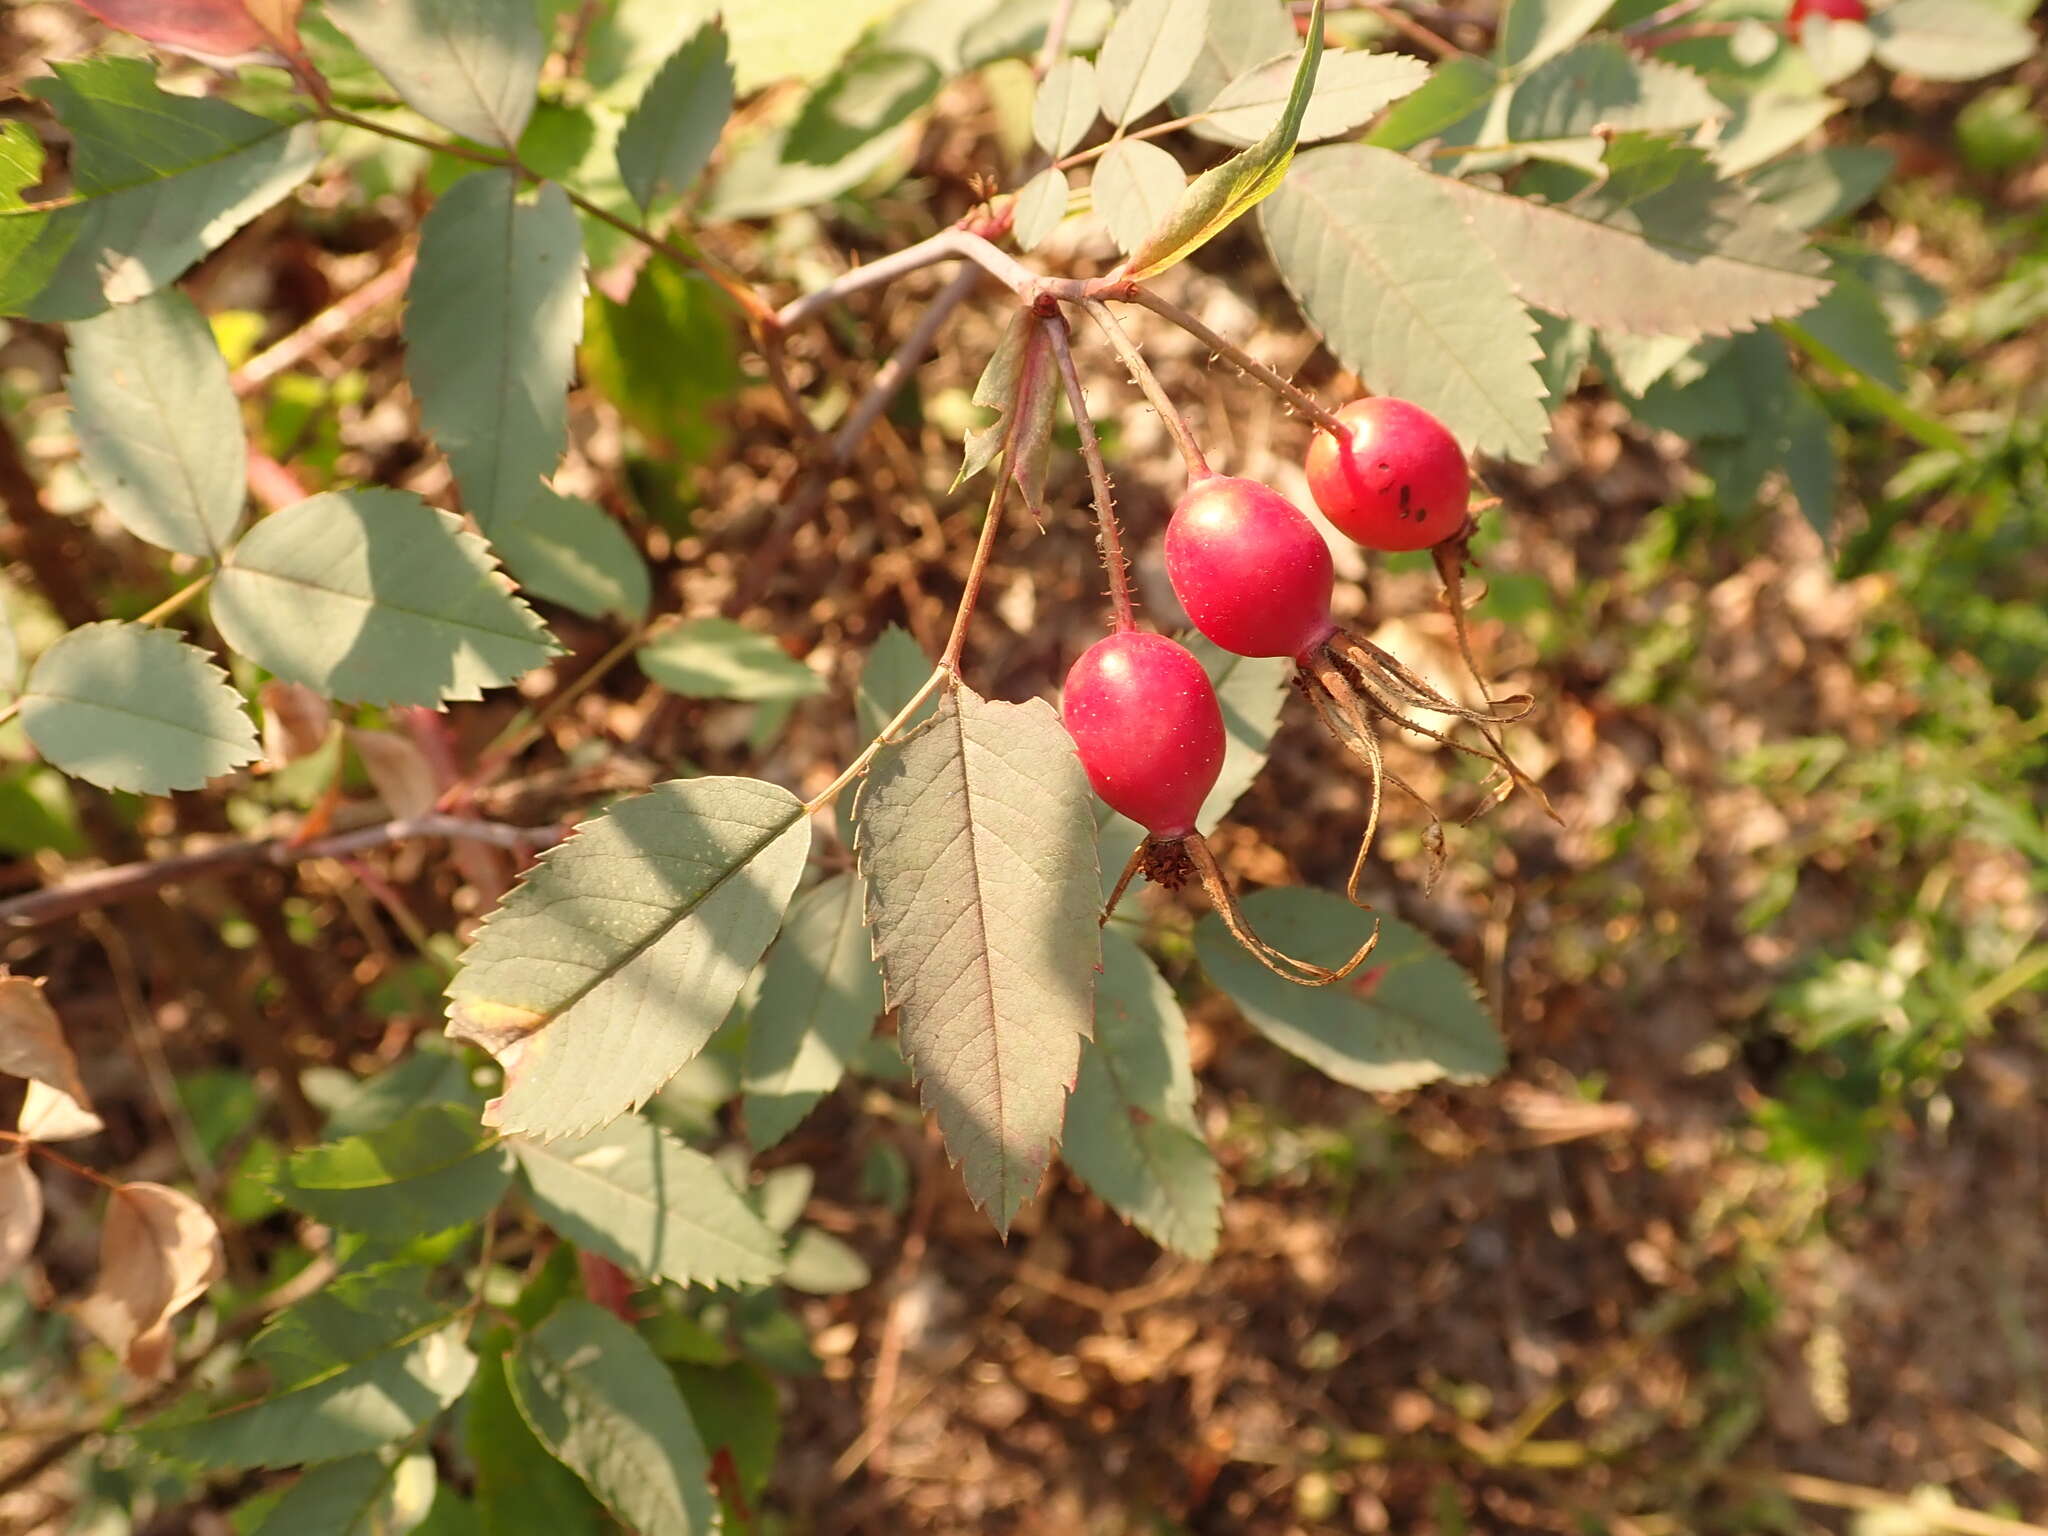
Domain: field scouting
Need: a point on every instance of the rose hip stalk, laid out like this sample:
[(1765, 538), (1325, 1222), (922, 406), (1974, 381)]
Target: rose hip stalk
[(1255, 577), (1145, 721)]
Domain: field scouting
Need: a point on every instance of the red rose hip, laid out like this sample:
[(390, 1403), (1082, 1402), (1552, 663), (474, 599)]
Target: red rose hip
[(1397, 480), (1249, 568), (1144, 718), (1834, 10)]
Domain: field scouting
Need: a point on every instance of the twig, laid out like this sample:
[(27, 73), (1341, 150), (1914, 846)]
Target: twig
[(337, 318), (1658, 20), (1292, 393), (884, 737), (1412, 29), (1867, 391), (1826, 1491), (123, 882), (977, 572), (1162, 403), (1107, 532), (177, 600), (953, 244)]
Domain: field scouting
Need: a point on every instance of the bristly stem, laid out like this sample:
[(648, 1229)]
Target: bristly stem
[(1292, 393), (1141, 373), (1108, 534)]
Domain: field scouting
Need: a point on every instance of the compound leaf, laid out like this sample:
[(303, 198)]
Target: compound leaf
[(1651, 252), (374, 596), (714, 658), (356, 1365), (622, 949), (977, 842), (470, 65), (158, 429), (668, 139), (602, 1401), (1131, 1133), (1433, 321), (157, 181), (1149, 51), (1411, 1018), (820, 994), (433, 1169), (635, 1194), (492, 317), (126, 706)]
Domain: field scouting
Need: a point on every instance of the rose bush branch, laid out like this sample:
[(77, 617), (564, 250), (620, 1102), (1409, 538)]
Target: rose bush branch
[(1292, 393), (1110, 537), (1162, 403)]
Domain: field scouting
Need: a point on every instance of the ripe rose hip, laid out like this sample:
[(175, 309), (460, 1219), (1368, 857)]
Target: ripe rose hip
[(1397, 481), (1144, 717), (1834, 10), (1249, 568)]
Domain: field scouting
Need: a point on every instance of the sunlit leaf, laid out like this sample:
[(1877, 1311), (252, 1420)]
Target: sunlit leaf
[(563, 549), (1807, 191), (1432, 321), (1410, 1017), (1136, 186), (1149, 51), (358, 1364), (598, 1397), (635, 1194), (977, 843), (157, 181), (21, 1209), (714, 658), (158, 428), (129, 707), (1456, 93), (1067, 106), (433, 1169), (521, 1490), (821, 1265), (820, 994), (622, 949), (470, 65), (1601, 87), (1041, 205), (1350, 87), (376, 596), (874, 91), (159, 1251), (1950, 39), (351, 1497), (668, 139), (1535, 30), (223, 33), (1131, 1133), (492, 316), (32, 1046)]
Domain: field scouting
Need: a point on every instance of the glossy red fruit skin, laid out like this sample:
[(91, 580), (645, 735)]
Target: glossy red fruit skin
[(1834, 10), (1249, 567), (1144, 718), (1399, 480)]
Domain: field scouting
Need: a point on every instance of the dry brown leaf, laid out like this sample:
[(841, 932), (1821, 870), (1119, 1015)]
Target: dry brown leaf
[(21, 1209), (399, 770), (32, 1046), (296, 722), (1551, 1118), (159, 1251)]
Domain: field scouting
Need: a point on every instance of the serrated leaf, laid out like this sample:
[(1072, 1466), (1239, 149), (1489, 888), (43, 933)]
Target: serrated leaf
[(1432, 321), (157, 181), (1535, 30), (125, 706), (433, 1169), (1239, 35), (1149, 51), (820, 994), (714, 658), (428, 1076), (521, 1490), (635, 1194), (492, 316), (1041, 205), (1600, 87), (1852, 324), (977, 843), (1250, 691), (1763, 124), (622, 949), (667, 141), (1950, 39), (1136, 186), (350, 1497), (376, 597), (563, 549), (1131, 1133), (158, 429), (874, 91), (1350, 87), (356, 1365), (1067, 106), (596, 1396), (1690, 255), (1458, 92), (1637, 362), (1807, 191), (1018, 384), (470, 65), (1217, 197), (1412, 1017)]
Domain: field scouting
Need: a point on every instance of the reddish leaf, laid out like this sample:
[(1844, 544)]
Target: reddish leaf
[(32, 1046), (159, 1251), (606, 1284), (296, 721), (398, 770), (220, 32), (21, 1209)]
